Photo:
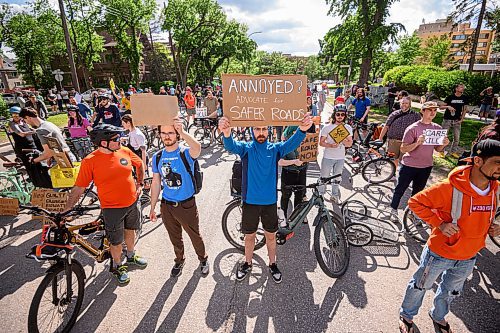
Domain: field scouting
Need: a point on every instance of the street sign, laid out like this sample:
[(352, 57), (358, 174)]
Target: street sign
[(58, 75)]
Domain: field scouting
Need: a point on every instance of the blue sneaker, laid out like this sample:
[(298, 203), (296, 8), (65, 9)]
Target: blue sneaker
[(121, 274), (138, 261)]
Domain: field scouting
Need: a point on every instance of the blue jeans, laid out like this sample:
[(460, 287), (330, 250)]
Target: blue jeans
[(327, 167), (453, 274)]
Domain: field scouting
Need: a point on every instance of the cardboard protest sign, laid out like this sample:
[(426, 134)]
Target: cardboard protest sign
[(339, 133), (49, 200), (149, 109), (308, 150), (59, 154), (434, 136), (201, 112), (262, 100), (9, 207)]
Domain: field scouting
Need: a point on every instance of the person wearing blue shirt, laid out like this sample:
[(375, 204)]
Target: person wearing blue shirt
[(361, 105), (259, 187), (178, 205)]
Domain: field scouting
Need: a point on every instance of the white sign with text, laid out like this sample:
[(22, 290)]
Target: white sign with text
[(434, 137)]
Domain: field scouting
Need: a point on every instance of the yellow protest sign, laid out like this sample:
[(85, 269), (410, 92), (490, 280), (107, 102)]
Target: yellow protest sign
[(112, 84), (339, 133)]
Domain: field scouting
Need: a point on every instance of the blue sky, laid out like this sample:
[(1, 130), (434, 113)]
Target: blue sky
[(294, 26)]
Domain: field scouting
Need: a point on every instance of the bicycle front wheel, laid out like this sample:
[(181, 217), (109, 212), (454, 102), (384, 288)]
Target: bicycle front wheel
[(415, 227), (378, 170), (231, 227), (51, 309), (331, 247), (203, 137)]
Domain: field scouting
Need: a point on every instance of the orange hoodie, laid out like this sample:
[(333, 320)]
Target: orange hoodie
[(189, 100), (433, 205)]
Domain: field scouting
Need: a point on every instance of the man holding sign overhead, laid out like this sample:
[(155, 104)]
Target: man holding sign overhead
[(259, 184), (335, 137)]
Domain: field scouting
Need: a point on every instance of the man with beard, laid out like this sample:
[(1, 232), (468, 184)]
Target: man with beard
[(108, 112), (259, 183), (173, 167), (459, 231), (39, 106)]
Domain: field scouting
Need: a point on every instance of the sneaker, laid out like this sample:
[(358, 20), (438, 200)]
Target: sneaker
[(394, 215), (243, 271), (177, 269), (138, 261), (121, 274), (275, 273), (204, 267)]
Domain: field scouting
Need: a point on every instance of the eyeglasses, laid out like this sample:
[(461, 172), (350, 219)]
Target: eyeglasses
[(168, 133), (339, 114), (116, 139)]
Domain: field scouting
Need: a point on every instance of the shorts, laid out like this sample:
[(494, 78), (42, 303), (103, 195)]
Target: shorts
[(191, 112), (365, 121), (394, 146), (268, 215), (118, 219)]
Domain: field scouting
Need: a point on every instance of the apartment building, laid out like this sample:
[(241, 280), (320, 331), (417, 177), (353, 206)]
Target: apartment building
[(9, 76), (461, 37)]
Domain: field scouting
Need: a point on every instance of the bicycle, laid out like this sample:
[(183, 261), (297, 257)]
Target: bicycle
[(13, 183), (330, 244), (205, 131)]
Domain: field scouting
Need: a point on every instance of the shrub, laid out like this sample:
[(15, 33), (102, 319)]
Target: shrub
[(4, 110), (155, 85)]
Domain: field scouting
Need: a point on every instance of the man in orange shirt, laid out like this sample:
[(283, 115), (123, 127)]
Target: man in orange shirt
[(190, 101), (458, 233), (110, 168)]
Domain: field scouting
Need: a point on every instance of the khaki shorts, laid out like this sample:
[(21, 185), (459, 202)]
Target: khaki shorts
[(191, 112), (394, 146)]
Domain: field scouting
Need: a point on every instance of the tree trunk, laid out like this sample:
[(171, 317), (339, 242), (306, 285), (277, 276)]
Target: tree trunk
[(174, 57), (472, 59), (366, 64)]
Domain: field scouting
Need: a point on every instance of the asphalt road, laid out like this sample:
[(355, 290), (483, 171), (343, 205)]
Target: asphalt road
[(365, 299)]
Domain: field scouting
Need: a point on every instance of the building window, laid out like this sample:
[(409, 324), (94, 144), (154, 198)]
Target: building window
[(483, 44), (455, 45), (2, 85), (460, 61), (108, 58), (459, 53), (484, 36), (17, 84), (12, 75), (480, 52), (458, 37)]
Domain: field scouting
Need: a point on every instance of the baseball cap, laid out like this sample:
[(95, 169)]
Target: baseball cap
[(485, 148), (429, 105), (340, 99)]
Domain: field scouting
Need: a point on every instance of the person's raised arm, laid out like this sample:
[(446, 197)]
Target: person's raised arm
[(229, 143), (194, 145)]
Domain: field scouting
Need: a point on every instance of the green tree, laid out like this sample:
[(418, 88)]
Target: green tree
[(87, 45), (493, 22), (409, 48), (274, 63), (313, 68), (436, 51), (161, 66), (369, 17), (5, 15), (191, 24), (36, 38), (127, 21)]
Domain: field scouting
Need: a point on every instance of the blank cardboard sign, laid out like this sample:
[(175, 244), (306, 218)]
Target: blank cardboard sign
[(149, 109), (261, 100)]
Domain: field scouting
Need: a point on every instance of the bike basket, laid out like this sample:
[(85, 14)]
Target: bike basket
[(64, 177)]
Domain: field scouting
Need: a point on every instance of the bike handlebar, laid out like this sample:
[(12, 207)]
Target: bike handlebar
[(58, 216), (321, 181)]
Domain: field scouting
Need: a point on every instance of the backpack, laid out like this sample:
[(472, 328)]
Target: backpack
[(196, 176), (456, 204), (236, 178)]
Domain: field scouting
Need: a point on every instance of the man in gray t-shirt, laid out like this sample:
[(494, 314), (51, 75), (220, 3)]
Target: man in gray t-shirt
[(45, 129)]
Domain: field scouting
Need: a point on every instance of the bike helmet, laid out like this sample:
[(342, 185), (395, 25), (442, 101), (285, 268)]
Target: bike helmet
[(103, 96), (72, 107), (52, 96), (15, 109), (104, 132), (54, 240), (339, 108)]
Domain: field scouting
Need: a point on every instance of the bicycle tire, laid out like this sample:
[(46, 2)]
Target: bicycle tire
[(378, 170), (232, 237), (203, 137), (417, 229), (339, 245), (50, 282), (358, 234)]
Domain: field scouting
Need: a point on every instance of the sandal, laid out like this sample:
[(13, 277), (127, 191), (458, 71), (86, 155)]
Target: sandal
[(440, 328), (405, 326)]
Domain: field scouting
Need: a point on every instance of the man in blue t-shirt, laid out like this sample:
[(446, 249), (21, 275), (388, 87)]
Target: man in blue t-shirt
[(107, 111), (361, 105), (258, 190), (178, 204)]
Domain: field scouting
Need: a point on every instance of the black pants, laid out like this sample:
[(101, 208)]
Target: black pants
[(390, 103), (292, 178), (418, 176)]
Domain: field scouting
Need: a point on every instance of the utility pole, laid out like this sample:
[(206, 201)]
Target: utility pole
[(74, 76)]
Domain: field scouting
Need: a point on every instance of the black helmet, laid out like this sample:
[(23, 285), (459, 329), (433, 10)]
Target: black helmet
[(52, 96), (104, 132), (103, 96)]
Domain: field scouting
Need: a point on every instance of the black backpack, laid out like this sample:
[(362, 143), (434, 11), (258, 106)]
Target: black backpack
[(196, 176), (236, 178)]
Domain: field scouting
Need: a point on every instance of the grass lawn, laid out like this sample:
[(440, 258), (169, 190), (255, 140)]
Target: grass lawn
[(60, 120)]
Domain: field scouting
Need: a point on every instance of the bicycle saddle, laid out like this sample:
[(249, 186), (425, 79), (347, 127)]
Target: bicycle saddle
[(377, 143)]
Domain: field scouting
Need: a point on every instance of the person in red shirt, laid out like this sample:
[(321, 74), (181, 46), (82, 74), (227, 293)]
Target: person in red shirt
[(450, 252), (190, 101), (110, 168)]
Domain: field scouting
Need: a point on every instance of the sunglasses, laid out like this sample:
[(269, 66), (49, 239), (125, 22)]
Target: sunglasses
[(339, 114), (117, 139)]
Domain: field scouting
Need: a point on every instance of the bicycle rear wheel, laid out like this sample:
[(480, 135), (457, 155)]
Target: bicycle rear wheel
[(203, 137), (415, 227), (231, 227), (378, 170), (50, 309), (331, 247)]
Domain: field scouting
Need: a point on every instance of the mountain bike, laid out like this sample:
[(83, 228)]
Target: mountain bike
[(330, 243), (205, 131)]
